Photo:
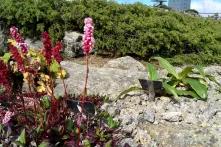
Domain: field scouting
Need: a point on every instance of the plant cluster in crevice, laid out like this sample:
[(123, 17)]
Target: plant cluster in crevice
[(37, 116), (191, 81)]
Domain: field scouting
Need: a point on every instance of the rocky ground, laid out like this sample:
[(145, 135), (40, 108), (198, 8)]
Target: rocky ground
[(160, 123)]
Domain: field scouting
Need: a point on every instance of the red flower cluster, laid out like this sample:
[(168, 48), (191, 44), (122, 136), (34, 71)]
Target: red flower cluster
[(4, 79), (47, 46), (17, 57), (50, 52), (20, 41), (56, 52)]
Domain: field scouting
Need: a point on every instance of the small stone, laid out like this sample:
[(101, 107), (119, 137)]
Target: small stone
[(105, 106), (190, 119), (128, 141), (142, 137), (172, 116), (148, 116), (112, 111), (126, 63), (129, 128)]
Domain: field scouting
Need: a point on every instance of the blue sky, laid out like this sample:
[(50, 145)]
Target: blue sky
[(203, 6)]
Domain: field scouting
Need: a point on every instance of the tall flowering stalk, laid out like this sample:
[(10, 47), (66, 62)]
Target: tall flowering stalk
[(88, 45), (47, 51), (17, 57), (56, 52), (19, 40)]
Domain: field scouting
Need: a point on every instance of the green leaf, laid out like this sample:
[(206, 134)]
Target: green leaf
[(86, 143), (112, 123), (45, 102), (213, 79), (6, 57), (130, 90), (185, 72), (152, 72), (55, 66), (65, 137), (69, 125), (108, 144), (187, 93), (170, 90), (44, 144), (21, 139), (198, 87), (201, 71), (1, 128), (210, 77), (166, 65)]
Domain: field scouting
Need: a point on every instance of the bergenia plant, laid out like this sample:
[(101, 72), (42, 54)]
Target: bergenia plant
[(88, 45)]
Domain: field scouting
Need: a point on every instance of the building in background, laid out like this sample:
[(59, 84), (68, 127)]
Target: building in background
[(180, 5)]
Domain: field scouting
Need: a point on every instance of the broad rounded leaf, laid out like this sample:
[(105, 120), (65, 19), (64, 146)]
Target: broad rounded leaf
[(198, 87)]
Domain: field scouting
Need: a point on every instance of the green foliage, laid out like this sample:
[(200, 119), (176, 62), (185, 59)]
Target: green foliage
[(134, 88), (199, 88), (166, 65), (6, 57), (191, 81), (152, 72), (55, 66), (120, 29), (112, 123), (21, 139), (44, 144), (196, 87)]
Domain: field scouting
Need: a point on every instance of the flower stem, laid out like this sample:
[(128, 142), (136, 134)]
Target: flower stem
[(86, 77), (24, 109)]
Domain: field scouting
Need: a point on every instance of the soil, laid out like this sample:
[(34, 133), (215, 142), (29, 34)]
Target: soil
[(94, 60)]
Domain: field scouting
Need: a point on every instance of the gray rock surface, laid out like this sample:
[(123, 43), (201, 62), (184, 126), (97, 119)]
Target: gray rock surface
[(126, 63), (104, 81), (73, 44), (172, 116), (162, 122), (34, 44), (3, 41)]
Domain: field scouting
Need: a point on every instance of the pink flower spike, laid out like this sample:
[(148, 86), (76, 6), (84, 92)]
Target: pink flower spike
[(7, 117), (88, 37)]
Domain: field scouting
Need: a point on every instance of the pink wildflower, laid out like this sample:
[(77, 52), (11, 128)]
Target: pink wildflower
[(18, 38), (7, 117), (88, 38)]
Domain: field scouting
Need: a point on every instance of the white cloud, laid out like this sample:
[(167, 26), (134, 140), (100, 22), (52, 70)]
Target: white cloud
[(207, 6)]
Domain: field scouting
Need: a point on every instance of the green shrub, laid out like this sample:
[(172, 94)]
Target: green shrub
[(121, 29)]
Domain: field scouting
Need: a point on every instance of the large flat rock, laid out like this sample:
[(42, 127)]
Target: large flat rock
[(103, 81)]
